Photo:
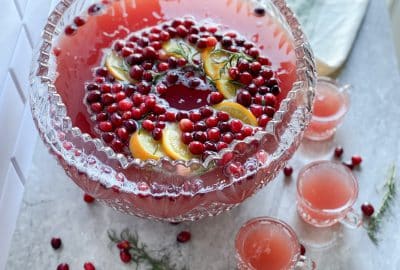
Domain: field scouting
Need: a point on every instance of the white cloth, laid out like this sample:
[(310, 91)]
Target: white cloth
[(331, 27)]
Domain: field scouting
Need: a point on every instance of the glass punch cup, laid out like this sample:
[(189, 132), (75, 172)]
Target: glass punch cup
[(266, 243), (326, 193), (331, 104)]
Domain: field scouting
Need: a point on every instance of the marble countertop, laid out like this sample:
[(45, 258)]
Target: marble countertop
[(53, 205)]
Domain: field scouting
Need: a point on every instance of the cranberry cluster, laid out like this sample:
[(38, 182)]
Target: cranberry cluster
[(119, 108), (207, 131)]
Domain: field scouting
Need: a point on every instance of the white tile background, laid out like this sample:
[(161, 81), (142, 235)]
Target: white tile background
[(21, 21)]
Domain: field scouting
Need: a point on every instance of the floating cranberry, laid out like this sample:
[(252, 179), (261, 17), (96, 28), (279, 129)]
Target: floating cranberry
[(243, 65), (256, 110), (70, 30), (159, 109), (255, 67), (125, 256), (267, 74), (247, 131), (183, 237), (288, 171), (136, 72), (96, 107), (215, 98), (263, 120), (116, 120), (356, 160), (171, 31), (56, 242), (88, 199), (134, 59), (108, 137), (148, 125), (228, 137), (172, 77), (195, 116), (211, 122), (213, 134), (186, 125), (156, 134), (245, 78), (202, 43), (92, 86), (226, 41), (63, 266), (144, 87), (224, 126), (123, 134), (196, 148), (182, 31), (244, 98), (233, 73), (264, 61), (236, 125), (270, 111), (125, 104), (275, 90), (221, 145), (367, 209), (105, 126), (200, 136), (163, 66), (118, 45), (149, 53), (117, 145), (170, 116), (120, 96), (200, 126), (338, 151), (254, 52), (182, 115), (259, 81), (222, 116), (89, 266), (210, 146), (211, 42), (270, 100), (79, 21), (95, 9), (164, 36), (126, 51), (187, 138)]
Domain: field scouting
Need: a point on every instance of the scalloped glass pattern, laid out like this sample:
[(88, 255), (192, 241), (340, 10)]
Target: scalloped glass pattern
[(170, 190)]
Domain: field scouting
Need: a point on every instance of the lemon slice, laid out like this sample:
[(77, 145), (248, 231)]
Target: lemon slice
[(237, 111), (173, 145), (143, 146), (115, 65), (179, 49)]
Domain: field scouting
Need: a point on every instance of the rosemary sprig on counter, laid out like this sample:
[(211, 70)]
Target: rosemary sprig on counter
[(138, 251), (375, 221)]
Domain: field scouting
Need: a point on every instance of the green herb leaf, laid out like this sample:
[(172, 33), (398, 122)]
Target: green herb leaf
[(376, 220)]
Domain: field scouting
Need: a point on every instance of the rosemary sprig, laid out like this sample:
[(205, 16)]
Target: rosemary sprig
[(376, 220), (227, 58), (139, 252), (186, 52)]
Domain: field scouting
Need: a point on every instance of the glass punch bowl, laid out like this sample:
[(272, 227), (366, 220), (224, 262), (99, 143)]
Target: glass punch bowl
[(170, 190)]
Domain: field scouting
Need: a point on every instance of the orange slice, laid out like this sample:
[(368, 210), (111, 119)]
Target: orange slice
[(143, 146), (173, 145), (116, 66), (235, 110), (179, 49), (214, 67)]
